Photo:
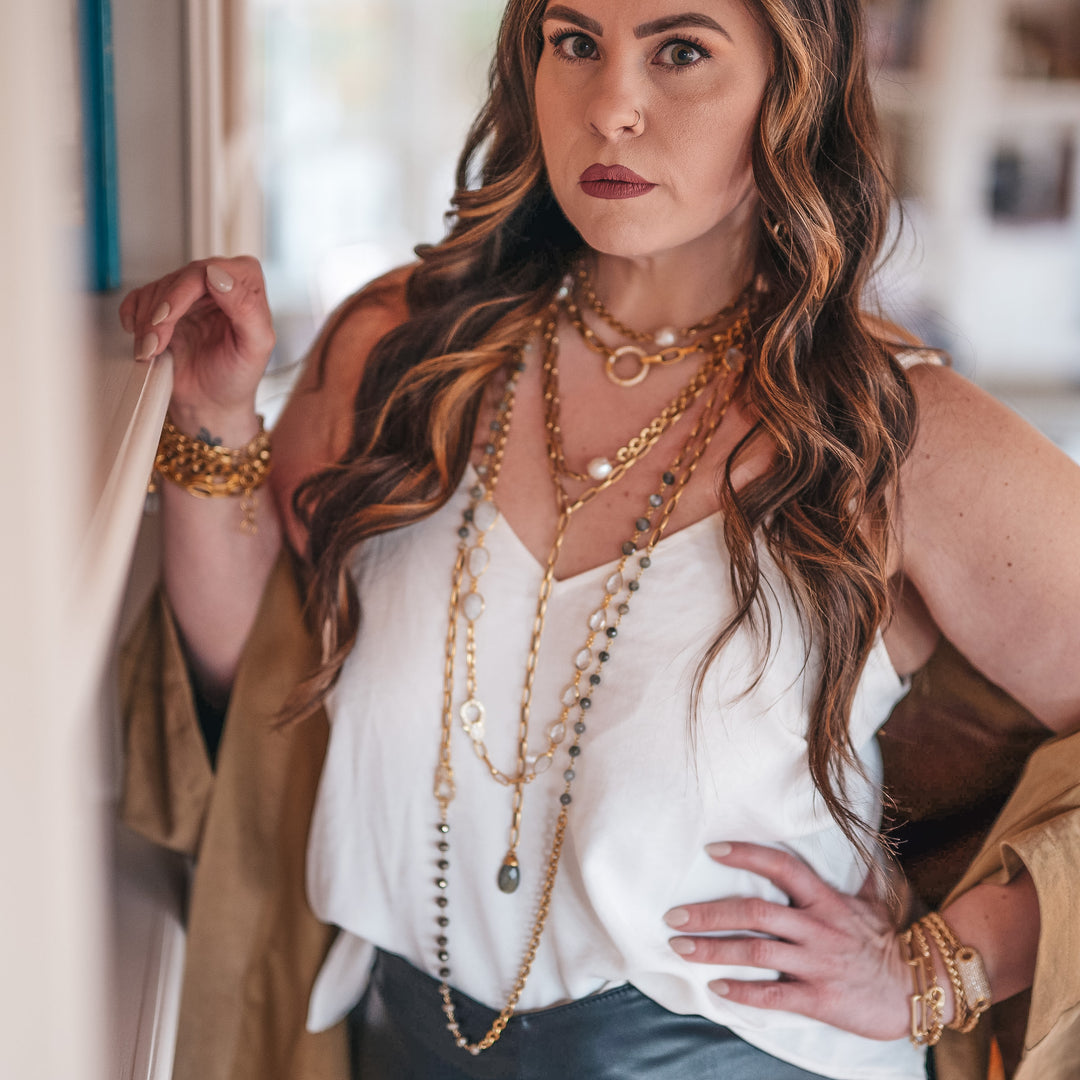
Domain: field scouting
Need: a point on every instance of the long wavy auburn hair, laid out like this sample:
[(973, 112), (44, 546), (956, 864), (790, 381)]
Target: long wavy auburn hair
[(825, 387)]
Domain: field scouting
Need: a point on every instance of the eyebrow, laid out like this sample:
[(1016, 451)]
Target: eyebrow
[(674, 22), (647, 29), (559, 11)]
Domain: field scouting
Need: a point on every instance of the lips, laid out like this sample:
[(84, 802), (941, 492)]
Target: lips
[(613, 182)]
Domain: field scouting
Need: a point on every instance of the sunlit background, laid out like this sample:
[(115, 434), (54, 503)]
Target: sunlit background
[(362, 107)]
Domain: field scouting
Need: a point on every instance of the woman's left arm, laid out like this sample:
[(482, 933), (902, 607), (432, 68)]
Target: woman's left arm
[(988, 523)]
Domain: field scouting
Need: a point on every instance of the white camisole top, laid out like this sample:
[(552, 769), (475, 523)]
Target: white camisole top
[(648, 795)]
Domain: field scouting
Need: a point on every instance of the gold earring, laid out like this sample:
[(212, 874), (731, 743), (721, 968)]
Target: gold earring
[(779, 230)]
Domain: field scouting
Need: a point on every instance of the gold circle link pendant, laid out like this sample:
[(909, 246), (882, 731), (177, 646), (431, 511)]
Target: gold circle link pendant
[(616, 355)]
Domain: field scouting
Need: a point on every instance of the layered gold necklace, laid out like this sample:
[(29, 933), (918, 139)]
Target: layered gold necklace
[(659, 348), (725, 354)]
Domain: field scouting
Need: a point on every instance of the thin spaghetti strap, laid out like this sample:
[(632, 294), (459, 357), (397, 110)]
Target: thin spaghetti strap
[(909, 358)]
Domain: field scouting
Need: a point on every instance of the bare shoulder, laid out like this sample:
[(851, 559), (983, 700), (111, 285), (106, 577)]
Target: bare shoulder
[(315, 427), (968, 439), (988, 514)]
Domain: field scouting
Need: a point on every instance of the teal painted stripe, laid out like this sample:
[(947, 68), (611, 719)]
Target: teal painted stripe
[(99, 145)]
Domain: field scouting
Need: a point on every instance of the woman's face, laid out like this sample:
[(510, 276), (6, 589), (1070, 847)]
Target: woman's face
[(648, 114)]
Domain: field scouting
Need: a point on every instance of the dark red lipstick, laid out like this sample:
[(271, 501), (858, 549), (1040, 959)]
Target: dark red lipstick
[(613, 182)]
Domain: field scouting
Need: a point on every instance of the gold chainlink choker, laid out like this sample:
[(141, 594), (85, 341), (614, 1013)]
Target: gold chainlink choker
[(661, 347)]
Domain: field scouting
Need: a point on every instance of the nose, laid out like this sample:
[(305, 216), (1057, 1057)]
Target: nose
[(615, 106)]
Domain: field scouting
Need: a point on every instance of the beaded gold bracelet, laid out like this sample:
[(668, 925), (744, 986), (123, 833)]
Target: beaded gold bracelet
[(210, 471)]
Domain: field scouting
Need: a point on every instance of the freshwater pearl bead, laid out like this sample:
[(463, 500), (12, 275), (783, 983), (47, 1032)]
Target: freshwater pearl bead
[(599, 468)]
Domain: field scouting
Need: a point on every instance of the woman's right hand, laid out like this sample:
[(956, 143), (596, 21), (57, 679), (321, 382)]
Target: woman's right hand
[(213, 316)]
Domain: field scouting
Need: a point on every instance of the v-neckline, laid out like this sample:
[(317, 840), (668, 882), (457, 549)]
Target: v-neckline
[(594, 571)]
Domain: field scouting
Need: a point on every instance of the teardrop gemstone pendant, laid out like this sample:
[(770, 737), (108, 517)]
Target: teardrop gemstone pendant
[(509, 874)]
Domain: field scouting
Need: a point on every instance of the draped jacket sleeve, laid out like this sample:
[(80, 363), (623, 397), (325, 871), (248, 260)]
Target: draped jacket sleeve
[(982, 792), (254, 947), (1039, 829)]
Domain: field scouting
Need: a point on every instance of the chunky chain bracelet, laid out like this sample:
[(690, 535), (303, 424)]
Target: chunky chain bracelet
[(210, 471)]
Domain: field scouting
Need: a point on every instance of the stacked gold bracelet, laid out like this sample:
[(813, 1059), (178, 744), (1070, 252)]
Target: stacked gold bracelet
[(209, 471), (928, 998), (971, 988)]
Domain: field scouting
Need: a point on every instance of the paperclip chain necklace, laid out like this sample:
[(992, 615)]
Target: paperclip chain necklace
[(473, 714), (479, 518)]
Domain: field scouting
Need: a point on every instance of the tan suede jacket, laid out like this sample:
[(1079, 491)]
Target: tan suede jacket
[(254, 947)]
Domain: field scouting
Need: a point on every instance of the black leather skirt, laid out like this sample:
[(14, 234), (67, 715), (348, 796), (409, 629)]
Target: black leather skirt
[(398, 1032)]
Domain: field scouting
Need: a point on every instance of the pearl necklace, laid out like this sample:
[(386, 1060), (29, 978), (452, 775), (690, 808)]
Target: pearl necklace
[(726, 343), (603, 627)]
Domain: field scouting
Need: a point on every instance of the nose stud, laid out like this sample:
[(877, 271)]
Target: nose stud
[(610, 126)]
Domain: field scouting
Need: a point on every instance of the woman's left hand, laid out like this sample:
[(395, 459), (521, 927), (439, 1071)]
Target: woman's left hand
[(838, 955)]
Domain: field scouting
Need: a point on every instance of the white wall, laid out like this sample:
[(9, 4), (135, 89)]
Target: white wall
[(78, 424), (52, 918)]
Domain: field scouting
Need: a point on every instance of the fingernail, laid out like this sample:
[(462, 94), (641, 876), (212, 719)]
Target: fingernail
[(718, 851), (161, 313), (720, 987), (677, 917), (218, 278), (148, 346), (684, 946), (127, 322)]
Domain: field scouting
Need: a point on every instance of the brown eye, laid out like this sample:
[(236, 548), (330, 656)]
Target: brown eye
[(680, 54), (576, 47)]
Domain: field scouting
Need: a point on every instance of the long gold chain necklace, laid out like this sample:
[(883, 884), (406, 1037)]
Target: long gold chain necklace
[(472, 559)]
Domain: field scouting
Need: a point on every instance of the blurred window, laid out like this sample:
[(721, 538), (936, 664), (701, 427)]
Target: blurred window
[(364, 105)]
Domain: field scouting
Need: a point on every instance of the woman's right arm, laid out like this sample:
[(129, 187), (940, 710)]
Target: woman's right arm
[(214, 318)]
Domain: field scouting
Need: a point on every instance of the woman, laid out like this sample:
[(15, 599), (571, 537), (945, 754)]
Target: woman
[(665, 224)]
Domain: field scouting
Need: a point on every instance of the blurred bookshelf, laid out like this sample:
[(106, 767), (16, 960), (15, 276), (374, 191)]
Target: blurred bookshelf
[(980, 108)]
